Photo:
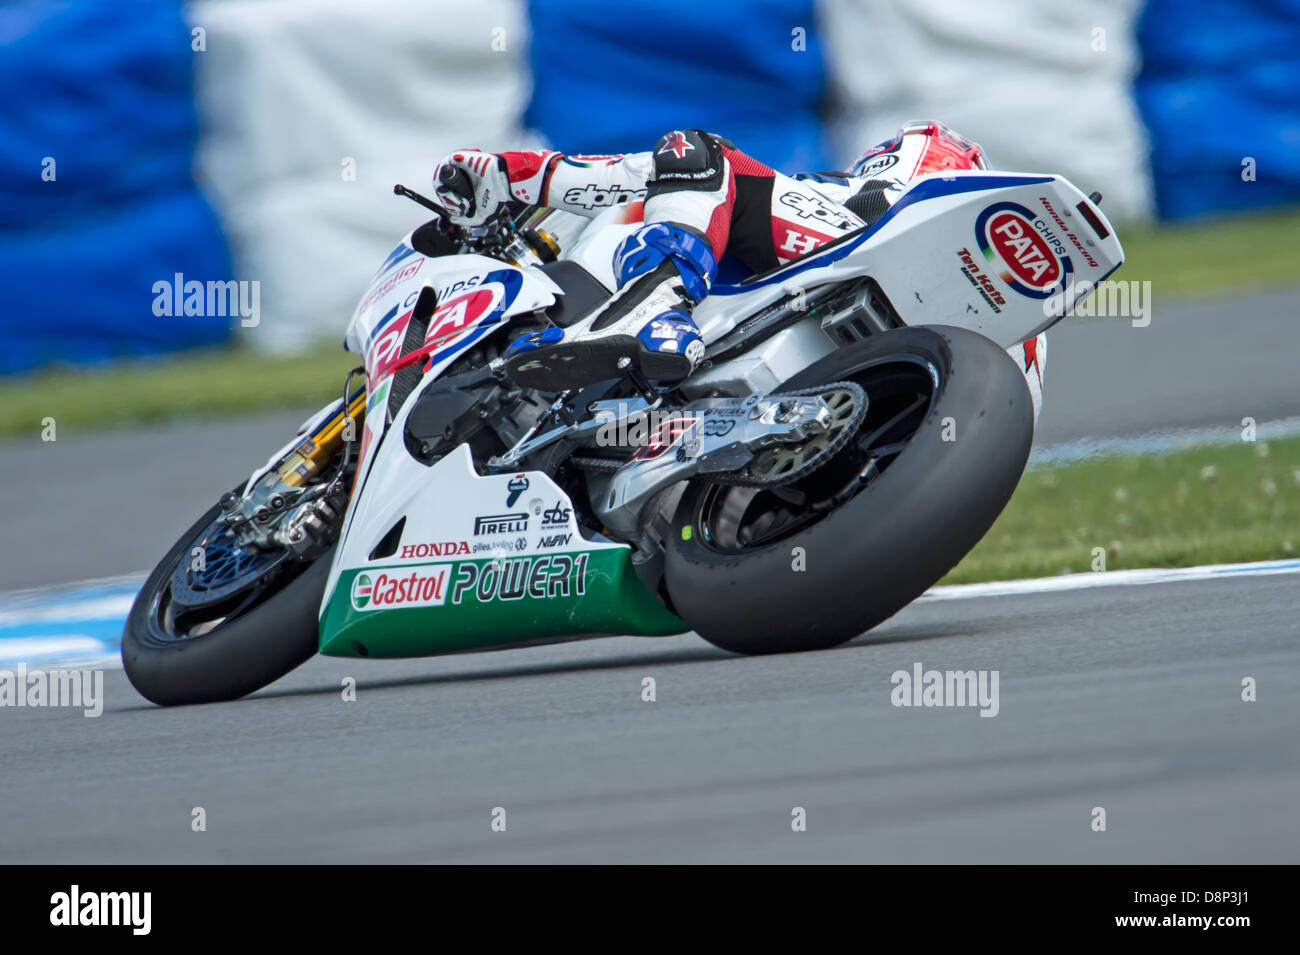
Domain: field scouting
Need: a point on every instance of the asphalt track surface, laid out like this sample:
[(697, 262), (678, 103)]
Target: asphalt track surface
[(1124, 698)]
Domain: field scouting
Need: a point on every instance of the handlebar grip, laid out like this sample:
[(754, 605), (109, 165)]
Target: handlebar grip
[(455, 180)]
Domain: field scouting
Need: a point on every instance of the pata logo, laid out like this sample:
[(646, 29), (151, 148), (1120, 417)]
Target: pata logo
[(1022, 250)]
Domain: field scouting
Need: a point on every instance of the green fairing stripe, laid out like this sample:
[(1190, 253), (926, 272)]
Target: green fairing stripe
[(423, 609)]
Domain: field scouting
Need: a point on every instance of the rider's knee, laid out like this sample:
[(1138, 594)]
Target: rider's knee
[(687, 160)]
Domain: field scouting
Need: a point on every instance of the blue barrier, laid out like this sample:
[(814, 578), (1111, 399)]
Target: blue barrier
[(614, 77), (97, 200), (1219, 86)]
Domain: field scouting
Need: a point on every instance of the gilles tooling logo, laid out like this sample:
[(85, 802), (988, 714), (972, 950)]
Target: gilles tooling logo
[(1023, 251)]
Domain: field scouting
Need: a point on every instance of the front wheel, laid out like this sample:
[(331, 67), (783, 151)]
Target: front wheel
[(930, 466), (220, 628)]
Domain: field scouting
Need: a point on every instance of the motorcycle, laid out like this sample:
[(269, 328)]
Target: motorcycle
[(855, 428)]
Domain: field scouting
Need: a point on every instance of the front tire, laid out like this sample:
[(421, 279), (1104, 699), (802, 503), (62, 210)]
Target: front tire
[(274, 631), (919, 484)]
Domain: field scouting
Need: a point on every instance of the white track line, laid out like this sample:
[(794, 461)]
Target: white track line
[(68, 611), (1157, 442), (1108, 578)]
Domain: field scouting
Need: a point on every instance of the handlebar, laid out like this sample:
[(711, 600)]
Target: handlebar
[(454, 179), (401, 190), (495, 237)]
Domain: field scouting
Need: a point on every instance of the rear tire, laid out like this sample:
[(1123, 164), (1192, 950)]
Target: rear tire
[(238, 656), (875, 553)]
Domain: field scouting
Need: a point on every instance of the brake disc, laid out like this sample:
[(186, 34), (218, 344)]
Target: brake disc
[(219, 565), (786, 463)]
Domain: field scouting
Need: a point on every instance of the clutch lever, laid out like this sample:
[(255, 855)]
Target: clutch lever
[(401, 190)]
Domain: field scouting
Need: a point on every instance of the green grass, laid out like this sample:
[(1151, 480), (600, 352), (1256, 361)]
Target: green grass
[(1209, 505), (1177, 260), (1213, 257), (209, 383)]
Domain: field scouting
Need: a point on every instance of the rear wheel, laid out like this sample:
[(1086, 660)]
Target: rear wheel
[(814, 563), (219, 627)]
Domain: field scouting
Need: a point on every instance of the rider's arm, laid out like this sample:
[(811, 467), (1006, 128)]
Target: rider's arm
[(586, 185)]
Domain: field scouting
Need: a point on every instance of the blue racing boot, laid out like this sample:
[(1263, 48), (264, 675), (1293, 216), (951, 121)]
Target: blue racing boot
[(663, 271)]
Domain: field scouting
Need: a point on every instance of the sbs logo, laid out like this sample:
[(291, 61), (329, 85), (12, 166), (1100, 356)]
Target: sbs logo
[(1012, 243)]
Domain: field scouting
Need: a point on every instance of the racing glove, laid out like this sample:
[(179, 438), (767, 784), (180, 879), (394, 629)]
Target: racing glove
[(472, 185)]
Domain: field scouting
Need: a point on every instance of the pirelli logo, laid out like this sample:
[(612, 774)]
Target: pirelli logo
[(500, 524)]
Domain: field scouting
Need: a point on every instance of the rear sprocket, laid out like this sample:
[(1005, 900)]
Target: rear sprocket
[(786, 463)]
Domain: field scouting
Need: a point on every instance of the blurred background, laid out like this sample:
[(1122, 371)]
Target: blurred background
[(260, 139)]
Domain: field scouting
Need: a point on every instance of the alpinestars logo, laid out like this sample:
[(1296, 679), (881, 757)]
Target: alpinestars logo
[(592, 196), (810, 207), (675, 143)]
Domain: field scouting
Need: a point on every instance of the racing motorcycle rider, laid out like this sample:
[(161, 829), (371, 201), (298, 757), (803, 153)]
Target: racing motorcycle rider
[(701, 198)]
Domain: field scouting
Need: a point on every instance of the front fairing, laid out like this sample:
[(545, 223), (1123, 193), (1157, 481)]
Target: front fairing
[(473, 293), (475, 296), (498, 559)]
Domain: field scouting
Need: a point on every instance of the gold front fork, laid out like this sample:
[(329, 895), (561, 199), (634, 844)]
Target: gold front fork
[(316, 450)]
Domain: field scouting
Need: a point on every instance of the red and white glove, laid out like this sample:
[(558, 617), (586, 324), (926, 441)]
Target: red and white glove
[(472, 185)]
